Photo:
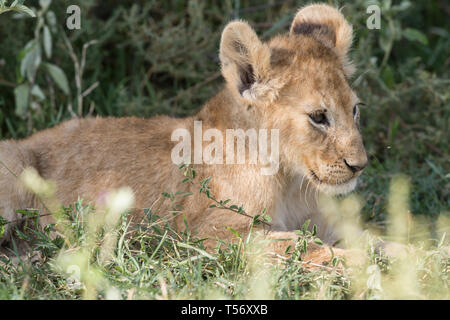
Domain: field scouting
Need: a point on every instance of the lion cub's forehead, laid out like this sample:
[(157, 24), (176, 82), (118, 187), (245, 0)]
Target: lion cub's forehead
[(287, 49), (315, 72)]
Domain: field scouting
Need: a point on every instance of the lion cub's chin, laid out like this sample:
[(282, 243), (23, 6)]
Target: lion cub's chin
[(337, 189)]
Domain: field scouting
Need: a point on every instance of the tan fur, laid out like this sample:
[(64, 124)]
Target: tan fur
[(268, 85)]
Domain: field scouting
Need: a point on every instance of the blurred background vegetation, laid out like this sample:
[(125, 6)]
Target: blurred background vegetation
[(136, 57)]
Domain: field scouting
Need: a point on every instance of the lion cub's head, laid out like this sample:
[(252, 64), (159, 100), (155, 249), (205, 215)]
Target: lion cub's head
[(298, 84)]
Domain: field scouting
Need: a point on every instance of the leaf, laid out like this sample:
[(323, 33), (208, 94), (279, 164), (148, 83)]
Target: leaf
[(402, 6), (3, 222), (37, 92), (415, 35), (24, 9), (205, 181), (314, 230), (202, 252), (47, 42), (256, 222), (31, 60), (385, 41), (306, 225), (45, 3), (441, 242), (59, 77), (51, 19), (396, 30), (21, 56), (28, 213), (386, 4), (435, 169), (318, 241), (21, 99), (288, 249), (234, 232), (334, 261), (388, 77)]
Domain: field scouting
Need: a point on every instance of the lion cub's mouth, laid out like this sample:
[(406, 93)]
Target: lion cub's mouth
[(342, 187), (320, 182)]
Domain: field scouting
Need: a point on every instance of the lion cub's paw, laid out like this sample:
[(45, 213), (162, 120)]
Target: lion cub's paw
[(325, 255)]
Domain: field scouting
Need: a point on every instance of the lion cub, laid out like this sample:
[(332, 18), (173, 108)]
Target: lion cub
[(293, 86)]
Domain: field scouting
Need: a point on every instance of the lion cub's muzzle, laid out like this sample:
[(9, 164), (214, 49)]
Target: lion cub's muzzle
[(357, 165)]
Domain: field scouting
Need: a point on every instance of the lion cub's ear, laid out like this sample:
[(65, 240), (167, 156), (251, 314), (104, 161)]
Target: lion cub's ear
[(327, 25), (245, 63)]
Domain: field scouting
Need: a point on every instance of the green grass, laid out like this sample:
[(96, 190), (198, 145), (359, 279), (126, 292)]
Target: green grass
[(157, 57), (98, 254)]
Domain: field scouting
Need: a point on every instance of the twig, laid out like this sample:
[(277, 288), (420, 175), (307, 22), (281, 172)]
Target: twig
[(91, 109), (309, 263), (27, 218), (238, 210), (90, 89), (7, 83), (69, 107), (190, 175), (213, 77), (79, 70), (83, 54), (52, 92)]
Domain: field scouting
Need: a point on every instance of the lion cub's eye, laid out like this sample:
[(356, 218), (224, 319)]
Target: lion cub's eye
[(356, 109), (319, 117)]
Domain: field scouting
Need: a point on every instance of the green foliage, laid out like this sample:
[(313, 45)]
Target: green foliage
[(31, 66), (158, 262), (3, 222), (17, 6)]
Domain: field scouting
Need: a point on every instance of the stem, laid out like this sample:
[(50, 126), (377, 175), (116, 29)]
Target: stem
[(241, 212), (389, 48), (26, 218)]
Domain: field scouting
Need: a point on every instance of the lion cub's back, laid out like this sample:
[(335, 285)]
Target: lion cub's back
[(87, 156)]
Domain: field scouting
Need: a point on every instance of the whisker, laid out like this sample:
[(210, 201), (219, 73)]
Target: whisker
[(317, 194), (306, 194), (301, 183)]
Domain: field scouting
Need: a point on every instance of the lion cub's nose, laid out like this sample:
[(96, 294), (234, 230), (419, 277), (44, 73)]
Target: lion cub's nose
[(355, 165)]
